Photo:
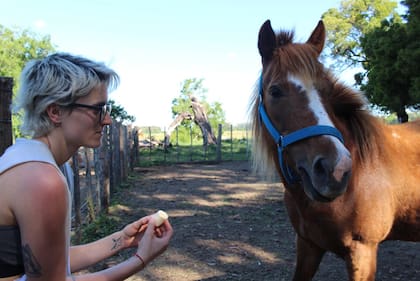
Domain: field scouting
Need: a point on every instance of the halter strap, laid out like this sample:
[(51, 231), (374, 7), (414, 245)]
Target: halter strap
[(283, 141)]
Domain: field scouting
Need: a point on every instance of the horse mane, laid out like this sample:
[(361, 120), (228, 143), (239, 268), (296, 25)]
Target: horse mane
[(361, 128), (295, 57), (348, 106)]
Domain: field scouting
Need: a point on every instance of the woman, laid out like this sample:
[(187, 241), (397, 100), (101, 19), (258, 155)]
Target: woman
[(64, 100)]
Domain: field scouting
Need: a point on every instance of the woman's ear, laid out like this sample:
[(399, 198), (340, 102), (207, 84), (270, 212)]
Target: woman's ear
[(54, 113)]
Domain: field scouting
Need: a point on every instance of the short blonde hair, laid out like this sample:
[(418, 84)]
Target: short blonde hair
[(60, 79)]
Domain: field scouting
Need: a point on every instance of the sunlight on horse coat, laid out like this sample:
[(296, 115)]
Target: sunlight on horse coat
[(346, 197)]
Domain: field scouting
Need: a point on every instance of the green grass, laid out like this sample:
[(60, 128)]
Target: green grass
[(230, 151)]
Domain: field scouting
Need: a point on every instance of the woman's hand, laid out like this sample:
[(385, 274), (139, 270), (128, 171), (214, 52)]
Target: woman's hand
[(133, 232), (154, 240)]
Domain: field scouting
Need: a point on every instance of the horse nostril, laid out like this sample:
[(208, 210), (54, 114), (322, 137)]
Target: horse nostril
[(342, 170), (321, 167), (346, 177)]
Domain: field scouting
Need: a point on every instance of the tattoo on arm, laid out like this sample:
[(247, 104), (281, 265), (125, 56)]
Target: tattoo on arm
[(32, 266), (117, 243)]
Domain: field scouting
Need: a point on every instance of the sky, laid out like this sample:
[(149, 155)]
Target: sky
[(155, 45)]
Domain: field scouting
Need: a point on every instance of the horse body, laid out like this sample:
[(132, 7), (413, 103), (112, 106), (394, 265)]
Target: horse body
[(351, 193)]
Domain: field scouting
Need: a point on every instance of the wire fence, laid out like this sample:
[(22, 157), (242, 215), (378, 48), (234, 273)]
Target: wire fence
[(232, 144)]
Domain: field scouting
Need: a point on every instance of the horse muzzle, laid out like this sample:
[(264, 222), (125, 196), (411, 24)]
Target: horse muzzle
[(325, 179)]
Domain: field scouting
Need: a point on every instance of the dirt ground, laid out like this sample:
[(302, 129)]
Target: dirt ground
[(229, 225)]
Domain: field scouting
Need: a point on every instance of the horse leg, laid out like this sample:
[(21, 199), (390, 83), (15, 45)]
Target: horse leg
[(308, 258), (361, 262)]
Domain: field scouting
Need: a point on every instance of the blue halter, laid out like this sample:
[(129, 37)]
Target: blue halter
[(283, 141)]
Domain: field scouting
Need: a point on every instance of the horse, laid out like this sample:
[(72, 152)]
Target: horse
[(351, 180)]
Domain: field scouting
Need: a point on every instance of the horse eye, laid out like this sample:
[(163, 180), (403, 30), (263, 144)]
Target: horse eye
[(276, 92), (300, 89)]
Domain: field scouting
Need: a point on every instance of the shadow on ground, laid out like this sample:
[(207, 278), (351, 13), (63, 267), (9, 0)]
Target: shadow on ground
[(230, 225)]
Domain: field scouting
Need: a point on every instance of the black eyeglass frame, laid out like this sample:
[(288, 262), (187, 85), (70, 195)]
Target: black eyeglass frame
[(102, 109)]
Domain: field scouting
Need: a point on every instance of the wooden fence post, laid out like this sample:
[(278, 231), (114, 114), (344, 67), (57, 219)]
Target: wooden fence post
[(116, 163), (6, 91), (99, 173), (103, 172), (135, 148), (231, 142), (124, 152), (219, 143)]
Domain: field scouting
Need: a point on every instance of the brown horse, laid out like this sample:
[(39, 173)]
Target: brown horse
[(351, 181)]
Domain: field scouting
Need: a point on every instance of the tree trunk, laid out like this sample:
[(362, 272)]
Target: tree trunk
[(177, 121), (402, 116), (200, 118)]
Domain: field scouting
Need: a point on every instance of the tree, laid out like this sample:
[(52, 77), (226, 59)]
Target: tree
[(201, 119), (392, 73), (119, 114), (191, 106), (386, 85), (410, 55), (17, 47), (349, 23), (175, 123)]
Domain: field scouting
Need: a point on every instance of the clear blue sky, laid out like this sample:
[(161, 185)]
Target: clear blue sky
[(156, 45)]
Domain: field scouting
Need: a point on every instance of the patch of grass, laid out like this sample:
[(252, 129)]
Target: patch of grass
[(100, 225), (103, 225), (237, 149)]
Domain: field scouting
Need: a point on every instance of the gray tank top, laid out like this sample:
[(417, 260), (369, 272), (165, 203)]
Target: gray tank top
[(24, 150)]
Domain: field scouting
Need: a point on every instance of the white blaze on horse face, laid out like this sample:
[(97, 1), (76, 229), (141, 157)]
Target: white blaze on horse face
[(318, 109)]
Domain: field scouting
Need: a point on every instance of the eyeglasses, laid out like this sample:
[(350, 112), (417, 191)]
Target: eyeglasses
[(103, 110)]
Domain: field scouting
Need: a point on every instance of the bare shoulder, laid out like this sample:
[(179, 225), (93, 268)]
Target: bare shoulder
[(38, 188), (38, 176)]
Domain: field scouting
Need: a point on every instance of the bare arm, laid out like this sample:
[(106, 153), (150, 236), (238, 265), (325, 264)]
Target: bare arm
[(82, 256), (41, 210), (153, 242), (42, 214)]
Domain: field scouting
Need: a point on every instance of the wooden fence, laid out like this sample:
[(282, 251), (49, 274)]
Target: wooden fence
[(98, 172), (6, 86)]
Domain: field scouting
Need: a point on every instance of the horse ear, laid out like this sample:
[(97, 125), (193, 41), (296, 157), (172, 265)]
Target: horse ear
[(266, 42), (317, 38)]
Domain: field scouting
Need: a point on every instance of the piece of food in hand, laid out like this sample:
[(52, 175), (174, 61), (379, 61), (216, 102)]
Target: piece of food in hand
[(159, 217)]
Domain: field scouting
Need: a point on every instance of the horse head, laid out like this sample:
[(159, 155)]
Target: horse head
[(293, 110)]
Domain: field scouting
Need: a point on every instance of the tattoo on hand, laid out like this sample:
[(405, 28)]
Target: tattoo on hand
[(32, 266), (117, 243)]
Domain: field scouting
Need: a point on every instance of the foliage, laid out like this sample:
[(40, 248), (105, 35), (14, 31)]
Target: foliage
[(119, 114), (102, 226), (216, 115), (17, 47), (410, 55), (346, 25), (391, 78), (193, 87), (386, 85)]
